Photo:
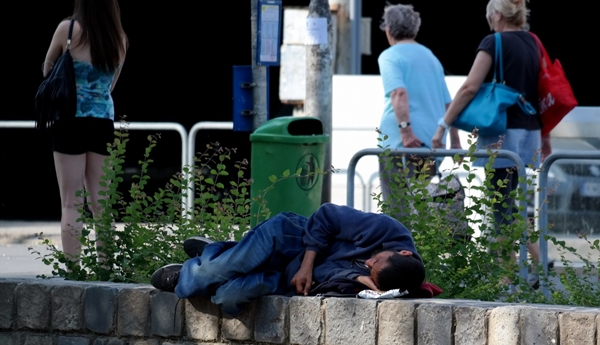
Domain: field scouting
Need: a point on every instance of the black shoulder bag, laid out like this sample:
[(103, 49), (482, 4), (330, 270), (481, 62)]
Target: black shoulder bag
[(56, 98)]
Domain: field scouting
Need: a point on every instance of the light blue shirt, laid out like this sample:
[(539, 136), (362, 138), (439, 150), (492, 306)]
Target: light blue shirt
[(414, 67)]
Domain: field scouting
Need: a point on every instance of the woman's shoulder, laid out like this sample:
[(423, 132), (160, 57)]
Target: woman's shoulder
[(487, 43), (64, 25), (488, 38)]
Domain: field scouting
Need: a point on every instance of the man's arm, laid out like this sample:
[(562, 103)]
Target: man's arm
[(303, 278), (399, 99)]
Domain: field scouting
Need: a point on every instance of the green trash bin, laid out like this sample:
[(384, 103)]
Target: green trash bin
[(288, 143)]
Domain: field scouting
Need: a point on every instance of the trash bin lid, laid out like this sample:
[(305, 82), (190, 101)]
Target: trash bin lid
[(291, 129)]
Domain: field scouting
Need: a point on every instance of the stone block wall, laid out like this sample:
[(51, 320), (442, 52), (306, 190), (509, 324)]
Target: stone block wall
[(57, 312)]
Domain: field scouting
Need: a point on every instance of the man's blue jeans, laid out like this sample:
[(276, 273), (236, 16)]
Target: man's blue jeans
[(235, 273)]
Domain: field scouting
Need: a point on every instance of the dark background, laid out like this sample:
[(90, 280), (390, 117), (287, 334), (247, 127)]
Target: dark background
[(178, 69)]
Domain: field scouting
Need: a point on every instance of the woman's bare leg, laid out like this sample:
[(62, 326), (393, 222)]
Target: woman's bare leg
[(93, 174), (70, 171)]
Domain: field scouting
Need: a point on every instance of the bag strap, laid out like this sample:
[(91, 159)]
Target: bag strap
[(70, 34), (544, 58), (498, 57)]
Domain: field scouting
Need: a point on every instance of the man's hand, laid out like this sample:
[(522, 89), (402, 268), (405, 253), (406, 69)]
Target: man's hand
[(368, 282), (302, 280)]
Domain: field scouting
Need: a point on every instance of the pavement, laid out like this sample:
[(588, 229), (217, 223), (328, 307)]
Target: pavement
[(17, 241)]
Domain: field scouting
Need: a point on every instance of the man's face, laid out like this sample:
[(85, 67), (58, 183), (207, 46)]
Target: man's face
[(378, 262)]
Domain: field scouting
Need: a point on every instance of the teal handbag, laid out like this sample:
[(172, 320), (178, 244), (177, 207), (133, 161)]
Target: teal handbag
[(487, 111)]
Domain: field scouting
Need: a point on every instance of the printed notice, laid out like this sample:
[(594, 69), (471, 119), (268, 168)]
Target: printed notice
[(316, 31), (269, 33)]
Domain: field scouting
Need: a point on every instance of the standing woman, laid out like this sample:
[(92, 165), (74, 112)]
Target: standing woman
[(98, 48), (521, 68)]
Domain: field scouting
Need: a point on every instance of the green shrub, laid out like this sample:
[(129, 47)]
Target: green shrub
[(155, 226), (480, 268)]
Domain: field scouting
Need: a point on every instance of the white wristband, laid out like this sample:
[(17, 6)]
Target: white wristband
[(442, 123)]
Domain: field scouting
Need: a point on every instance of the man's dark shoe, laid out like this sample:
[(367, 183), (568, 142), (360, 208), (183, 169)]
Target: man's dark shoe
[(166, 277), (194, 246)]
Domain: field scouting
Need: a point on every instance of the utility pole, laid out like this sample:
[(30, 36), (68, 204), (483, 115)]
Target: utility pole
[(259, 75), (319, 73)]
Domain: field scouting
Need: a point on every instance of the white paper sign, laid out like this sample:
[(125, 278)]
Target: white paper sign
[(316, 31)]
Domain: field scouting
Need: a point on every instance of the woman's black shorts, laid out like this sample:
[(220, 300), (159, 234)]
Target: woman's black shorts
[(83, 134)]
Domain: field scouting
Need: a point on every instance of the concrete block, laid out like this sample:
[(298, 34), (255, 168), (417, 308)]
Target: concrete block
[(294, 26), (145, 342), (471, 325), (292, 74), (108, 341), (273, 323), (350, 321), (539, 326), (306, 321), (73, 341), (34, 339), (240, 327), (67, 307), (396, 320), (100, 304), (503, 326), (434, 324), (166, 314), (33, 306), (202, 319), (12, 338), (8, 298), (133, 312), (577, 328), (194, 343)]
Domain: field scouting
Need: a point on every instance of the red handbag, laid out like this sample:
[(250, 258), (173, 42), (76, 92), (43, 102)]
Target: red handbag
[(556, 97)]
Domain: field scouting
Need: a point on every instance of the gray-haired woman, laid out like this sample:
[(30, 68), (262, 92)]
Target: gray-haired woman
[(416, 95)]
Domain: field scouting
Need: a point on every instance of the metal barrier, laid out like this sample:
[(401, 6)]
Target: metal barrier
[(541, 223), (365, 198), (128, 125), (191, 147), (444, 153)]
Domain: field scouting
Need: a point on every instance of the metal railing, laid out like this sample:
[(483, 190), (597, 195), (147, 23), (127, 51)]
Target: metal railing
[(129, 125), (172, 126), (541, 223), (192, 146), (523, 272)]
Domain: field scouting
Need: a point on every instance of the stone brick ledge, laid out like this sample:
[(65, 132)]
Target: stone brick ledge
[(58, 312)]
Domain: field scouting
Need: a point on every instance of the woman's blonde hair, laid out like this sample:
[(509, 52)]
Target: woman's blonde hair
[(514, 12)]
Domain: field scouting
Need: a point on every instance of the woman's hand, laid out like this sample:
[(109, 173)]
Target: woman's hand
[(436, 141), (409, 139), (546, 148)]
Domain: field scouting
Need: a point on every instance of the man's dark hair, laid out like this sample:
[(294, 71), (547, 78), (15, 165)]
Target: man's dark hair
[(402, 272)]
